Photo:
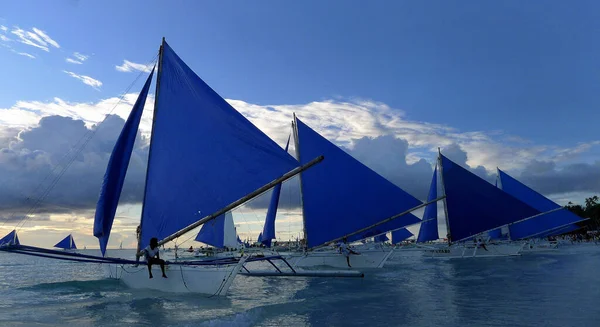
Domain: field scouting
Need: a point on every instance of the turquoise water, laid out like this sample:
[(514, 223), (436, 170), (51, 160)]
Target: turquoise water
[(558, 289)]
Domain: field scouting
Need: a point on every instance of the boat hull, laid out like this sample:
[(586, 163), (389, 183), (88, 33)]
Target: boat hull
[(471, 251), (212, 280), (366, 259)]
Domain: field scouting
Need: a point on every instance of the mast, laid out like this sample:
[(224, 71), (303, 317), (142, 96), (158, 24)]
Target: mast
[(297, 148), (156, 94), (443, 187)]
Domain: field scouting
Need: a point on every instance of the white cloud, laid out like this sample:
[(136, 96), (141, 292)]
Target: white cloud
[(80, 57), (4, 38), (3, 28), (37, 38), (26, 55), (73, 61), (25, 39), (129, 66), (85, 79), (46, 38)]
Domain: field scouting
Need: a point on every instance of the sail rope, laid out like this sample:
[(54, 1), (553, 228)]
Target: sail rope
[(67, 160)]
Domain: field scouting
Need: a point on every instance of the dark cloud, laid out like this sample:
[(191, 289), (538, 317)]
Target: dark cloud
[(31, 168), (546, 178)]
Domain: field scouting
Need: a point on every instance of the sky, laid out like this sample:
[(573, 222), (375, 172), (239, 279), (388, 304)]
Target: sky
[(506, 84)]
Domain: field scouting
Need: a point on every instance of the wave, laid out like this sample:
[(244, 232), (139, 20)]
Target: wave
[(77, 285)]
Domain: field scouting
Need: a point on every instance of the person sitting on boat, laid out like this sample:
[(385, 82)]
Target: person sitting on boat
[(191, 249), (480, 244), (152, 257), (346, 251)]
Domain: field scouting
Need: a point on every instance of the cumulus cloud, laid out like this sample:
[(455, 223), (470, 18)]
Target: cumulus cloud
[(85, 79), (129, 66), (31, 162)]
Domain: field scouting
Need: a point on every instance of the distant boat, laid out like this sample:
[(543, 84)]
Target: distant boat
[(121, 246), (67, 243)]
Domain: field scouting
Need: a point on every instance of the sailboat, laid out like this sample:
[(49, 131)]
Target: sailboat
[(10, 239), (557, 222), (68, 243), (205, 159), (473, 208), (345, 201)]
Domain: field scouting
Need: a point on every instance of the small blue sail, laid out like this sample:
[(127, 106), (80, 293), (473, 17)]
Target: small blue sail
[(204, 154), (117, 169), (10, 239), (239, 240), (342, 196), (537, 225), (429, 226), (380, 238), (219, 232), (68, 243), (268, 232), (474, 205), (400, 235)]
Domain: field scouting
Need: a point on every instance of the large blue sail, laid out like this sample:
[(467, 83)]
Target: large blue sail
[(117, 169), (10, 239), (429, 226), (219, 232), (204, 155), (342, 196), (67, 243), (537, 225), (268, 232), (400, 235), (474, 205)]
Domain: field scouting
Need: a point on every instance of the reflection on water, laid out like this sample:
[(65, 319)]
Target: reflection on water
[(559, 289)]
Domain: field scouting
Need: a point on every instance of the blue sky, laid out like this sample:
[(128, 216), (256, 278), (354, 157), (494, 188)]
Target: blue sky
[(512, 65), (512, 84)]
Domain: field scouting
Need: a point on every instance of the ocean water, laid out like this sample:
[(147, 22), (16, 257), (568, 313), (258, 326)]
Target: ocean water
[(557, 289)]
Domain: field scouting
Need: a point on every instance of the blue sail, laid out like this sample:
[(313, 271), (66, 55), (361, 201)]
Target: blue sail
[(218, 232), (495, 234), (204, 155), (117, 169), (429, 226), (268, 232), (67, 243), (380, 238), (400, 235), (10, 239), (341, 195), (537, 225), (474, 205)]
